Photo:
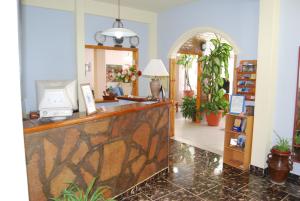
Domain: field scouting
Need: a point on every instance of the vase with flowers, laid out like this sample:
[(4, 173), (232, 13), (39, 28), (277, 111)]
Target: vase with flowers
[(126, 77)]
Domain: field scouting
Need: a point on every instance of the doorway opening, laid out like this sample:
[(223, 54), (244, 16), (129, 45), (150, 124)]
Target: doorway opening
[(197, 133)]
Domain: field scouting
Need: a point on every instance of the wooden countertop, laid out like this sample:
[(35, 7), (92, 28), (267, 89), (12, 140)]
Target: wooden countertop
[(32, 126)]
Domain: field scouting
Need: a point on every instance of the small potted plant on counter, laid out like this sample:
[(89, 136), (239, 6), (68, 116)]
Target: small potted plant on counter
[(188, 108), (279, 161), (214, 65), (74, 193), (297, 146)]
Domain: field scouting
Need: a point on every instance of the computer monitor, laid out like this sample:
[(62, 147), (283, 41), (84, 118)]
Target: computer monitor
[(56, 98)]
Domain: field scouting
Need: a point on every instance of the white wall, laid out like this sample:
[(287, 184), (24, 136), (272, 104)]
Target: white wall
[(289, 42), (13, 182)]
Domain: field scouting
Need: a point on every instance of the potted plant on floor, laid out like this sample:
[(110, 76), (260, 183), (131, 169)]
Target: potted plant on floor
[(212, 81), (189, 108), (297, 146), (279, 161), (74, 193), (186, 61)]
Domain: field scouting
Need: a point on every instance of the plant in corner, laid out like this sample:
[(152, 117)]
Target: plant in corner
[(74, 193), (186, 61), (279, 161), (189, 108), (212, 81), (297, 146)]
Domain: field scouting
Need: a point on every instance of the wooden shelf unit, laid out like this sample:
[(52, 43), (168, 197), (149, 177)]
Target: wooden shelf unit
[(249, 77), (233, 155)]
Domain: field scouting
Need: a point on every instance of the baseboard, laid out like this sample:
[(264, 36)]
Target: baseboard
[(263, 172)]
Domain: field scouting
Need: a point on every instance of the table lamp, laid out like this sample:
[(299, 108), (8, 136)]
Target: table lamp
[(155, 69)]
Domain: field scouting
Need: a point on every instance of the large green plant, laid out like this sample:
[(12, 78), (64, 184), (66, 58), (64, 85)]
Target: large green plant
[(189, 108), (297, 138), (214, 65), (186, 61), (74, 193)]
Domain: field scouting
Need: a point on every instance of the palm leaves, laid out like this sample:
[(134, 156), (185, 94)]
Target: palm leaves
[(74, 193), (212, 82)]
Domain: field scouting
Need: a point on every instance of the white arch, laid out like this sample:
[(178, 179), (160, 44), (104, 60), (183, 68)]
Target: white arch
[(191, 33)]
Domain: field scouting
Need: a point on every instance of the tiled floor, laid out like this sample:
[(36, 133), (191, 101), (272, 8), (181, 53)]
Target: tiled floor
[(201, 135), (196, 174)]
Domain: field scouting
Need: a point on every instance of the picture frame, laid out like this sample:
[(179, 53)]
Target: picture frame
[(237, 104), (88, 99)]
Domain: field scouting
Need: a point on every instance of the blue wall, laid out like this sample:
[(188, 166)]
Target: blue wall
[(48, 49), (289, 42), (239, 19), (98, 23)]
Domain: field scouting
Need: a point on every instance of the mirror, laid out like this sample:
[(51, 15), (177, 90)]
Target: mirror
[(102, 64), (296, 135)]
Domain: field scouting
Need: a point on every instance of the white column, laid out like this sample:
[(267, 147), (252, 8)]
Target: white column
[(13, 182), (267, 65), (80, 48)]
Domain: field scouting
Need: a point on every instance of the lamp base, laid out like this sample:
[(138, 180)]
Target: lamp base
[(155, 87)]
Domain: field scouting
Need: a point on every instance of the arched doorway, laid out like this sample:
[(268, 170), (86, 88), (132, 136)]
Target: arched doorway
[(188, 43)]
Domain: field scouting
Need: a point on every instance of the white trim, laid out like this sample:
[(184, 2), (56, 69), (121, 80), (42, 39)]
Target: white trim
[(66, 5), (189, 34), (267, 67)]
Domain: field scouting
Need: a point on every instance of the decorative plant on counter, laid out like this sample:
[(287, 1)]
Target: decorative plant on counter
[(297, 146), (127, 75), (189, 108), (186, 61), (212, 81), (74, 193), (279, 161)]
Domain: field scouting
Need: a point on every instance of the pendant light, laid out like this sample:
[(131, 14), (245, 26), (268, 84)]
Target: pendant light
[(118, 31)]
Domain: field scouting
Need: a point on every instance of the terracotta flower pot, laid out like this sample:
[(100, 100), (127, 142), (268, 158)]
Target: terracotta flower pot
[(297, 152), (279, 164), (188, 93), (214, 119)]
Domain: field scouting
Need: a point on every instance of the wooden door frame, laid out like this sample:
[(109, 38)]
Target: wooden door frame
[(135, 57), (172, 94)]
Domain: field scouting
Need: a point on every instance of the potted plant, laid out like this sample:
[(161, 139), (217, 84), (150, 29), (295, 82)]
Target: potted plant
[(212, 81), (186, 61), (297, 146), (279, 161), (74, 193), (189, 108)]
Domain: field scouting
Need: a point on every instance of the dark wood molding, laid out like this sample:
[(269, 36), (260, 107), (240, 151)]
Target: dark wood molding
[(32, 126)]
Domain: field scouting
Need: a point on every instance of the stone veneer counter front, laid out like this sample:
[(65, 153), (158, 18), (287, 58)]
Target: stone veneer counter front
[(122, 147)]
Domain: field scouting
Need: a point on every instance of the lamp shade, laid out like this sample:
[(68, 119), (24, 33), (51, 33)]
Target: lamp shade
[(118, 32), (155, 68)]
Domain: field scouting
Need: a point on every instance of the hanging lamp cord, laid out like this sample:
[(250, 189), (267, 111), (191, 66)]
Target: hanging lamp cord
[(119, 10)]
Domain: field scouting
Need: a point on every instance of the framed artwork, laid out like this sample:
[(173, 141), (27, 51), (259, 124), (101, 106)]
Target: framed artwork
[(110, 70), (237, 104), (88, 99)]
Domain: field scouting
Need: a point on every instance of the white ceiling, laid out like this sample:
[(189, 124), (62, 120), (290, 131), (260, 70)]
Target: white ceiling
[(150, 5)]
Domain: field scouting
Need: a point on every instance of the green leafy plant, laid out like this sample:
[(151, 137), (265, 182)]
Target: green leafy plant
[(74, 193), (189, 108), (212, 81), (186, 61), (297, 138), (282, 144)]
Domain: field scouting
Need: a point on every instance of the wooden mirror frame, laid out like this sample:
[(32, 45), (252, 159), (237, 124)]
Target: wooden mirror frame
[(135, 55), (297, 114)]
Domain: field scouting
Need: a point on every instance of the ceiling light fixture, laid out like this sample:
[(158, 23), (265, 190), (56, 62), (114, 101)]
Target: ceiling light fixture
[(118, 31)]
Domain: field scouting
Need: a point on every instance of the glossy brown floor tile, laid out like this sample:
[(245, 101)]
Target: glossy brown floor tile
[(180, 195), (196, 174)]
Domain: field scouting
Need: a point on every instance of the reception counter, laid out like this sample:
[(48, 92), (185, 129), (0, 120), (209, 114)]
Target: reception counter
[(122, 146)]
